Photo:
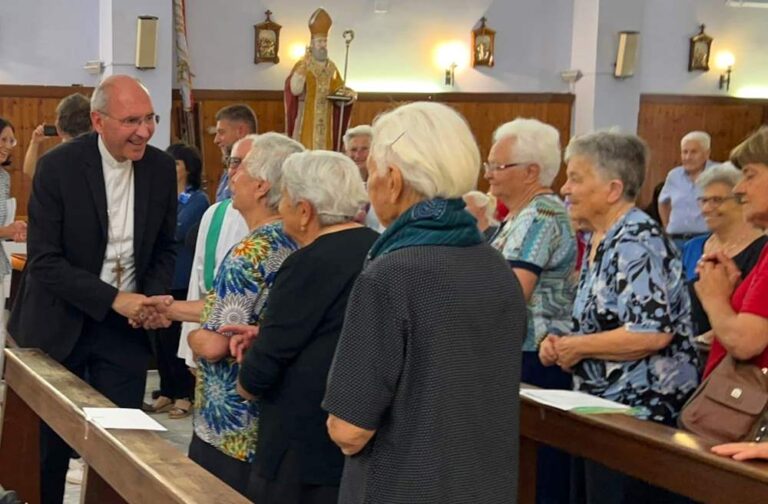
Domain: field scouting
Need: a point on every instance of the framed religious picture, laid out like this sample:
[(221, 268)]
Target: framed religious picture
[(698, 54), (267, 41), (483, 40)]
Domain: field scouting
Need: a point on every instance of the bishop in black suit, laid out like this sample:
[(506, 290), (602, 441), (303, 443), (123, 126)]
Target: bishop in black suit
[(89, 271)]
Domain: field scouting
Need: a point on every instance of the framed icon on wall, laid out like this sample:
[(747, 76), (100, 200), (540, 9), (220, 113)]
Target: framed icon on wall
[(698, 53), (483, 45), (267, 41)]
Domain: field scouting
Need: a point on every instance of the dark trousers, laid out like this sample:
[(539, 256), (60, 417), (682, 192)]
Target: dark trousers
[(594, 483), (176, 381), (231, 471), (288, 487), (113, 358), (553, 466)]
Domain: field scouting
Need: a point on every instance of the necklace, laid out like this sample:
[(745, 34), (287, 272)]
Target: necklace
[(714, 244), (119, 269)]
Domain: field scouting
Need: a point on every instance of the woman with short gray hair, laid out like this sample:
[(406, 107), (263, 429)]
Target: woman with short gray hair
[(730, 233), (427, 370), (632, 340), (288, 363)]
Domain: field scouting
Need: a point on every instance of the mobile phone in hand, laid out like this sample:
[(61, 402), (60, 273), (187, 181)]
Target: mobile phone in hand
[(50, 130)]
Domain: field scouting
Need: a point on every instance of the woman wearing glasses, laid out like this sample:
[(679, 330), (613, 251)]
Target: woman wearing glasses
[(730, 234), (538, 243)]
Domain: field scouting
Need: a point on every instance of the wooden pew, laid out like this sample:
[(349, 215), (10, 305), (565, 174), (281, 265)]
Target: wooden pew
[(121, 465), (661, 455)]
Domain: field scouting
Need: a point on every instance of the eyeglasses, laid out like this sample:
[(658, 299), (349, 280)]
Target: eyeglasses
[(9, 142), (492, 167), (715, 201), (233, 162), (135, 122)]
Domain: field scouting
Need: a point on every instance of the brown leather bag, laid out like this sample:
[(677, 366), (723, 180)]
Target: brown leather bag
[(730, 405)]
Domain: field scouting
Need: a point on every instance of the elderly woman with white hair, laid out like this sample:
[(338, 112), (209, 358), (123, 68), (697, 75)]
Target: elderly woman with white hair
[(730, 234), (287, 364), (632, 339), (357, 145), (423, 392), (538, 242), (225, 427)]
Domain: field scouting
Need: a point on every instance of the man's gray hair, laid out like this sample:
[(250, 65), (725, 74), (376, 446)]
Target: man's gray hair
[(700, 137), (100, 96), (724, 173), (616, 156), (432, 146), (361, 130), (265, 161), (329, 181), (534, 142)]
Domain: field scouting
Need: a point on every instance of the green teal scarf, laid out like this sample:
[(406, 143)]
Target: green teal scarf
[(432, 222)]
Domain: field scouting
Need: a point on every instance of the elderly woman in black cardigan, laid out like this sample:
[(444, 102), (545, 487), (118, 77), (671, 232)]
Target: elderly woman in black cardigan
[(287, 364)]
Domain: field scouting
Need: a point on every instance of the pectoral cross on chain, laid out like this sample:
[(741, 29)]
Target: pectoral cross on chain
[(118, 271)]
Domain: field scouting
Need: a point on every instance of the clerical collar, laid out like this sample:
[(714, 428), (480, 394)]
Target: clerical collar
[(109, 159)]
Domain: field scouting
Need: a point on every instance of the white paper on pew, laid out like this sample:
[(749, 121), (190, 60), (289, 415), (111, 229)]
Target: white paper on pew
[(569, 400), (122, 418)]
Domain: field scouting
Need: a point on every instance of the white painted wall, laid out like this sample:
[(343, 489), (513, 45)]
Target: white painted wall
[(47, 42), (669, 24), (391, 52)]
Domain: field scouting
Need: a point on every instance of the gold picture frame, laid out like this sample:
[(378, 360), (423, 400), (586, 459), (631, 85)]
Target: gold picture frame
[(699, 51), (267, 43), (483, 45)]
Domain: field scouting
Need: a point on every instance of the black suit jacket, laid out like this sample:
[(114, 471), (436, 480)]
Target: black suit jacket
[(67, 239)]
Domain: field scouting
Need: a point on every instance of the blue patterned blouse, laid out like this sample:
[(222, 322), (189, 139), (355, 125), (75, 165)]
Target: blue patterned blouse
[(540, 239), (636, 281), (221, 417)]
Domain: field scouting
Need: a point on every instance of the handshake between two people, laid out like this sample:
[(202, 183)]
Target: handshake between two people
[(148, 312), (157, 312)]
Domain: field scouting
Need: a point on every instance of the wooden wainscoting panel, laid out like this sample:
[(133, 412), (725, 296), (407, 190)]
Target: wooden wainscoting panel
[(484, 113), (665, 119)]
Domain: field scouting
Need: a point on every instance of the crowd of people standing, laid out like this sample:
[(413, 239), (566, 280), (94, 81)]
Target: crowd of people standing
[(355, 333)]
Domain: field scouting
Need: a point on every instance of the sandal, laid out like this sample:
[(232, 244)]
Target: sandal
[(159, 405), (181, 409)]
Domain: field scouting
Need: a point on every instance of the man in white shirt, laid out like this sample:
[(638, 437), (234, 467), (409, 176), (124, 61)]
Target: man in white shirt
[(220, 229), (102, 216)]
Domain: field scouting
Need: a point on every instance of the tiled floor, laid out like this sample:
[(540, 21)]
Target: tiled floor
[(179, 434)]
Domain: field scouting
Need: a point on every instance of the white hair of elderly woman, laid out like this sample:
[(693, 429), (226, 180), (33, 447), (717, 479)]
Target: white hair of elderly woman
[(701, 137), (329, 181), (485, 201), (271, 150), (361, 130), (724, 173), (432, 146), (535, 142)]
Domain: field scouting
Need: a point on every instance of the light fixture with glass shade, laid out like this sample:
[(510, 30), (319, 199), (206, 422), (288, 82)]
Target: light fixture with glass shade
[(724, 60)]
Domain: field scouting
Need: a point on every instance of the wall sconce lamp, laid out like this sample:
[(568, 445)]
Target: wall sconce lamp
[(450, 56), (724, 61), (450, 74)]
